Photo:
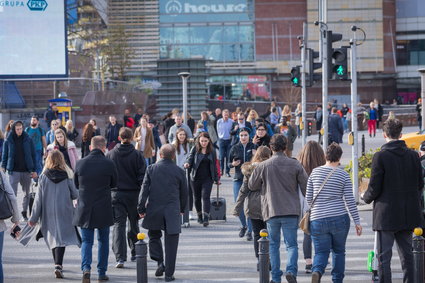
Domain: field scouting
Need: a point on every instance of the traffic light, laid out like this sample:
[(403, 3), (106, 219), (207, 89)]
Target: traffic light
[(296, 76), (340, 63), (312, 77), (330, 39)]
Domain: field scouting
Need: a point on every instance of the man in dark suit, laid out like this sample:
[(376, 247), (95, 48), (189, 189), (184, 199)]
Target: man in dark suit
[(335, 127), (111, 132), (395, 187), (95, 176), (167, 200)]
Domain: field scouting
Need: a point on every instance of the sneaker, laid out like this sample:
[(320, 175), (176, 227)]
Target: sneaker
[(120, 264), (191, 216), (249, 236), (133, 258), (24, 216), (86, 276), (103, 278), (291, 278), (58, 271), (308, 268), (228, 175), (242, 232), (315, 277)]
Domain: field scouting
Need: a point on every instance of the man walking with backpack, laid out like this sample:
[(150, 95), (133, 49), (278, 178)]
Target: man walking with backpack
[(38, 137)]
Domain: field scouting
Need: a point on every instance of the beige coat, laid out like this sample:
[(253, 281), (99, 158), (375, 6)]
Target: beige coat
[(278, 179), (149, 142)]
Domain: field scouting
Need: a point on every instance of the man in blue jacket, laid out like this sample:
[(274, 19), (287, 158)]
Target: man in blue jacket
[(19, 161)]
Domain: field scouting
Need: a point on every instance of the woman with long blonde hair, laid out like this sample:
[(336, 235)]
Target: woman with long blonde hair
[(253, 207), (71, 132), (253, 115), (53, 208)]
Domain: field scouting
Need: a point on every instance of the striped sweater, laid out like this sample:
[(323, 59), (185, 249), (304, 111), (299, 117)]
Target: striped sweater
[(336, 196)]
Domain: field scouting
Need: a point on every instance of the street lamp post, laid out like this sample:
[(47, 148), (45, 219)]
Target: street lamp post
[(185, 76), (422, 71)]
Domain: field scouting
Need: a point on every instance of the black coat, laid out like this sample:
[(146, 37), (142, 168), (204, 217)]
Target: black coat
[(194, 159), (235, 131), (244, 154), (165, 192), (95, 176), (395, 187), (131, 167), (336, 128), (112, 136)]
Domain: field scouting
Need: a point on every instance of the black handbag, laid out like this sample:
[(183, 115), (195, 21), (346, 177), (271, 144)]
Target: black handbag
[(6, 208)]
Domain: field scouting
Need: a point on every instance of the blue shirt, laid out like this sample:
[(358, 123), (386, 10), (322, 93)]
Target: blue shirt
[(36, 135), (372, 114), (224, 128)]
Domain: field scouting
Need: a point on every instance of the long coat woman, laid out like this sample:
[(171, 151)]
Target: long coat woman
[(144, 137)]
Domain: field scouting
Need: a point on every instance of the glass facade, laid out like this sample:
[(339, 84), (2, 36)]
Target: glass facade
[(243, 87), (411, 52), (220, 30)]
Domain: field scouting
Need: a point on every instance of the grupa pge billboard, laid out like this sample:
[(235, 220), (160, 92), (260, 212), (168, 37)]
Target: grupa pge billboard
[(32, 38)]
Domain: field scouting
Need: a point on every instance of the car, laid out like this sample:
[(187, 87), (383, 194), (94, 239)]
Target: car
[(414, 140)]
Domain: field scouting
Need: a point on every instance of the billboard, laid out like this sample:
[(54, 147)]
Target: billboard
[(33, 39)]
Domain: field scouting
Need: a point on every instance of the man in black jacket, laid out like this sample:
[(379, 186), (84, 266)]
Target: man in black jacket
[(95, 176), (131, 167), (166, 187), (336, 128), (112, 132), (395, 187)]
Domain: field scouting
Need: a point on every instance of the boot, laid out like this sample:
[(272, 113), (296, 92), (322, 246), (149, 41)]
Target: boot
[(200, 219), (24, 215), (206, 219)]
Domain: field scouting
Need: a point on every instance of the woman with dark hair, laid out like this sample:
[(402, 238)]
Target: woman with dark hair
[(329, 195), (261, 137), (96, 129), (253, 206), (202, 162), (239, 154), (53, 206), (8, 127), (190, 122), (310, 157), (66, 147), (88, 134)]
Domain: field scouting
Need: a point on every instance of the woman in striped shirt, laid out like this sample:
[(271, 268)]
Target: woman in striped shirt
[(329, 220)]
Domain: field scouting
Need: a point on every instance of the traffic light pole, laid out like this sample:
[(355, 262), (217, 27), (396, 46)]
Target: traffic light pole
[(325, 113), (422, 71), (355, 147), (304, 84)]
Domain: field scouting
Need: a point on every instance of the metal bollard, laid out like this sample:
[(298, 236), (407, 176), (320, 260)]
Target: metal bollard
[(264, 259), (141, 259), (363, 145), (418, 256)]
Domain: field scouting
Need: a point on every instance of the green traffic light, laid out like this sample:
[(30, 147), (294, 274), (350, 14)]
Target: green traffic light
[(340, 70), (295, 80)]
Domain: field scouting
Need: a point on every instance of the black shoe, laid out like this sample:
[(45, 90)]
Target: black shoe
[(308, 268), (200, 218), (242, 232), (24, 215), (249, 236), (86, 277), (160, 270), (206, 220), (291, 278), (133, 258), (169, 278), (103, 278), (315, 277), (228, 175)]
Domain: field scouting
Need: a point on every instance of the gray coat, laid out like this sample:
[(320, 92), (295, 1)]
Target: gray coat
[(163, 197), (53, 207)]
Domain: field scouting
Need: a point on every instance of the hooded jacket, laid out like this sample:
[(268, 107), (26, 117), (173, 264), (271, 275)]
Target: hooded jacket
[(8, 155), (243, 154), (131, 167), (395, 187)]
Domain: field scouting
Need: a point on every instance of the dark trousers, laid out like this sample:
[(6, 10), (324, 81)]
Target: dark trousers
[(224, 150), (171, 243), (257, 226), (124, 206), (404, 247), (307, 246), (202, 191), (58, 254)]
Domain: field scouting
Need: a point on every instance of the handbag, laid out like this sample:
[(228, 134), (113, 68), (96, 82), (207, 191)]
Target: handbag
[(6, 208), (305, 221)]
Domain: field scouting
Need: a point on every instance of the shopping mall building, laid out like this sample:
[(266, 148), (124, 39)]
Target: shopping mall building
[(243, 50)]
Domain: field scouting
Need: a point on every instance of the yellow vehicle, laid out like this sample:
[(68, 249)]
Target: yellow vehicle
[(414, 140)]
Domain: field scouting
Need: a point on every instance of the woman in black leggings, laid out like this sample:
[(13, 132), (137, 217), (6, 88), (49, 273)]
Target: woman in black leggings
[(202, 162)]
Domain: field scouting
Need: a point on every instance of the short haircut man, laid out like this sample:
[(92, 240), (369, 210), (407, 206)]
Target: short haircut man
[(278, 143), (167, 151), (395, 186), (98, 142)]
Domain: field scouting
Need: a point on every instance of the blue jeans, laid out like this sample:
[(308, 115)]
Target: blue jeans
[(330, 234), (224, 150), (289, 227), (87, 236), (38, 161), (236, 187), (1, 256)]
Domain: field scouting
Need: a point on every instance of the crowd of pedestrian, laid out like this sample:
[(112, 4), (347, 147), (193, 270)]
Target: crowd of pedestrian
[(142, 169)]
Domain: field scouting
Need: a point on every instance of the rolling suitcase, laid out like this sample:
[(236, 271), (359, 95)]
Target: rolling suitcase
[(218, 207)]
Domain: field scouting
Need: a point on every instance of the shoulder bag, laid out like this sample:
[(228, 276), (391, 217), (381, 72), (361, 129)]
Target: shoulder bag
[(305, 221), (6, 208)]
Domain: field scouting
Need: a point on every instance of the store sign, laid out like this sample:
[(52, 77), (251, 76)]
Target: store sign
[(176, 7)]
